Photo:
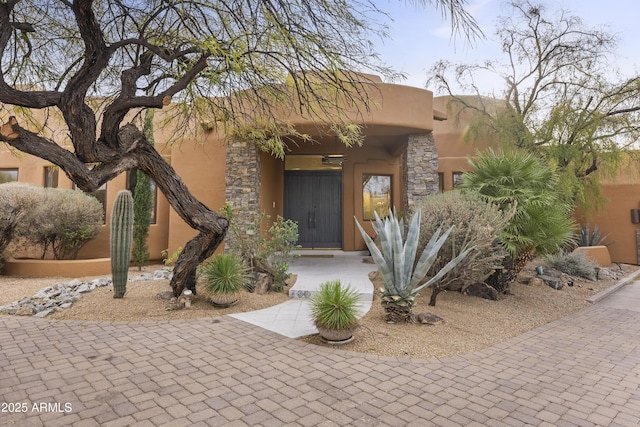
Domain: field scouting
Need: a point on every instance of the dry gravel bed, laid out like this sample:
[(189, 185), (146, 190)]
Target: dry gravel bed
[(469, 324)]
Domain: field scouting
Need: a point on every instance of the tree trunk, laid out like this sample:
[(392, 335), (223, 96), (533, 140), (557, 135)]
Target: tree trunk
[(211, 226), (435, 290), (501, 280)]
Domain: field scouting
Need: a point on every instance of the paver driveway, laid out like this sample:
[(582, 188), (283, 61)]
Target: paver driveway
[(581, 370)]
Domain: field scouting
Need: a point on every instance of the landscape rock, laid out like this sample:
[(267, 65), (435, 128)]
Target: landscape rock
[(44, 313), (263, 284), (26, 310), (534, 281), (61, 296), (481, 290), (427, 319), (552, 281)]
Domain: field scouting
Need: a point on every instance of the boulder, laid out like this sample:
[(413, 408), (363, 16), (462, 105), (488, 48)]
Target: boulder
[(263, 284), (427, 319), (554, 282), (535, 281), (481, 290)]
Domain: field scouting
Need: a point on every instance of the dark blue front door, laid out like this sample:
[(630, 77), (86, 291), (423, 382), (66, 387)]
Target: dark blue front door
[(314, 200)]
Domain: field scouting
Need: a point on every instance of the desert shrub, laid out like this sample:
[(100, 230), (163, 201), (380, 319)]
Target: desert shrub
[(62, 221), (277, 249), (476, 224), (267, 252), (573, 264), (17, 200)]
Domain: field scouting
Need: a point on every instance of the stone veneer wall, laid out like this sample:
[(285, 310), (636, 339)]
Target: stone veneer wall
[(419, 169), (242, 179)]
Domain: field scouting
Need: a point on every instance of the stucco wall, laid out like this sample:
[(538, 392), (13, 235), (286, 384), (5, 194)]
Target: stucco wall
[(449, 135), (201, 165), (615, 219)]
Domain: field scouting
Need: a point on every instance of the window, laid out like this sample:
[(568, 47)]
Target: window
[(457, 179), (8, 175), (132, 179), (51, 176), (440, 182), (376, 195)]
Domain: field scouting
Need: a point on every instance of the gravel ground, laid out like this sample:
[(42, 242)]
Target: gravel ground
[(469, 324)]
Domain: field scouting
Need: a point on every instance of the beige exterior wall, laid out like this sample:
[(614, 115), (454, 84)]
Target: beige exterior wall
[(453, 150), (615, 219), (201, 165), (397, 112)]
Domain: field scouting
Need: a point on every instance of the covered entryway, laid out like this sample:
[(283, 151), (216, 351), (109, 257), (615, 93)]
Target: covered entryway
[(313, 198)]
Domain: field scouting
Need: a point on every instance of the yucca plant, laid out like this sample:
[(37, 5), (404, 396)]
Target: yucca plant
[(401, 281), (224, 277), (334, 310)]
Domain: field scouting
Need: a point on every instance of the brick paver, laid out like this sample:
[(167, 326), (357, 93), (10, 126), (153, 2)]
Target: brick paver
[(580, 370)]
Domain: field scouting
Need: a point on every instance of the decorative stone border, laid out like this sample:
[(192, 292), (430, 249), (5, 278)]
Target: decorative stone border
[(63, 295)]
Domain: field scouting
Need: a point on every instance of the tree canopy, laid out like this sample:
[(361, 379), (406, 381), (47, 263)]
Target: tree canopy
[(561, 97), (98, 65)]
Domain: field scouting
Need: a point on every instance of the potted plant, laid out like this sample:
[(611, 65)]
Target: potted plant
[(224, 277), (334, 311)]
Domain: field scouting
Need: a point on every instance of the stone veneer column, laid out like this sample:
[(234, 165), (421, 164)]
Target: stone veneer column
[(420, 170), (242, 180)]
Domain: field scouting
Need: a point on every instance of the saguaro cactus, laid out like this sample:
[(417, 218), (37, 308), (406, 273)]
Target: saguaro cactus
[(121, 235)]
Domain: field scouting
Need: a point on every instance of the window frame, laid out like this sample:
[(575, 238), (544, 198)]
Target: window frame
[(368, 214)]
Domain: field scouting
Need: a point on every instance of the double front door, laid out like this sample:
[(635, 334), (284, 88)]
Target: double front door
[(314, 200)]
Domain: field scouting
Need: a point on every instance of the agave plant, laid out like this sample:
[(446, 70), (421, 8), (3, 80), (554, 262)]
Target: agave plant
[(401, 281), (593, 238)]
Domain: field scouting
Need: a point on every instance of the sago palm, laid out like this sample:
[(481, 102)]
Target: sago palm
[(542, 221)]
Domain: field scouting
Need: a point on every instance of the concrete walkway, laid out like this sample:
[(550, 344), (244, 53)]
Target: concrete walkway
[(293, 318), (580, 370)]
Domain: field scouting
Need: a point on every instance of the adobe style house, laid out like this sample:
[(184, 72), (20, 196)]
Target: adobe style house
[(618, 217), (410, 150), (322, 185)]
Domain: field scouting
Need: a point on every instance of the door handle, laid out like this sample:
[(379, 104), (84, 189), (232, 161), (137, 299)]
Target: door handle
[(314, 219), (309, 223)]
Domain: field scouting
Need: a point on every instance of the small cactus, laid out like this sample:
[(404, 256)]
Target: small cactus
[(121, 236)]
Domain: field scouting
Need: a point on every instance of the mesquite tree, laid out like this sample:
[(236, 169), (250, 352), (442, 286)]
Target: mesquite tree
[(562, 99), (97, 65)]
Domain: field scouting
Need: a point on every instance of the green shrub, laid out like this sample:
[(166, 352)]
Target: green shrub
[(476, 224), (574, 264), (267, 252), (224, 274), (64, 221), (142, 205), (48, 218), (17, 201), (335, 306)]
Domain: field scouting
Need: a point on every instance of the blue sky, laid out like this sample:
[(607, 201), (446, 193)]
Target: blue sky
[(418, 36)]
